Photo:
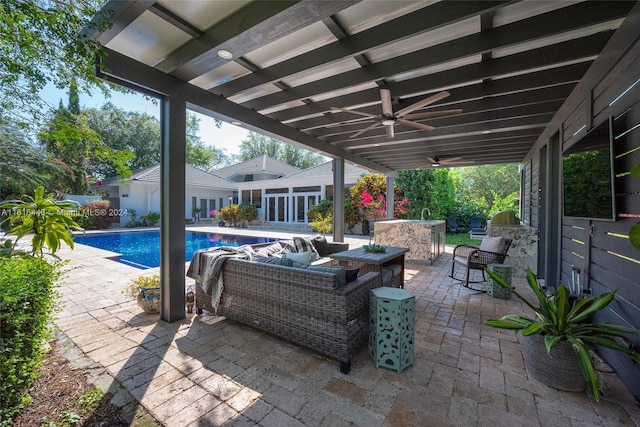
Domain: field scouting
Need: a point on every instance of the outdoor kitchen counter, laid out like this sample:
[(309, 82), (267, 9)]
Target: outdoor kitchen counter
[(425, 239)]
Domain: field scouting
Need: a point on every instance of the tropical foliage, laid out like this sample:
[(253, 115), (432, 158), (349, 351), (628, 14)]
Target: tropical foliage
[(238, 215), (557, 319), (50, 221)]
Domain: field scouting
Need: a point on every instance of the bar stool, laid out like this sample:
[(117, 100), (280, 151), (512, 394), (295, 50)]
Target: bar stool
[(391, 331)]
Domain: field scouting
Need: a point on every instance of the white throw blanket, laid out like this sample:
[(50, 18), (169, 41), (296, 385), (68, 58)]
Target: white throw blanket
[(206, 268)]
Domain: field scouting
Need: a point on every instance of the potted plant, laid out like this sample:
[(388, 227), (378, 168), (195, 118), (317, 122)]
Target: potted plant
[(196, 214), (146, 291), (564, 331)]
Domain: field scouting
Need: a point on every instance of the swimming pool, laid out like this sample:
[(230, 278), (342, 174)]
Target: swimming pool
[(142, 248)]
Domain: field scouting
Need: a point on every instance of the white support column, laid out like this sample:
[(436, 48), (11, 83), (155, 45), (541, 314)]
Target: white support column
[(389, 197), (338, 200), (173, 113)]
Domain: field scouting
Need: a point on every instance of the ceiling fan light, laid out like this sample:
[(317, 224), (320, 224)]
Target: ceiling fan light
[(435, 164), (388, 122), (225, 54)]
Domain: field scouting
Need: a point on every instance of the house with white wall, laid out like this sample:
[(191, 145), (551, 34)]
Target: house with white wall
[(281, 192), (141, 192)]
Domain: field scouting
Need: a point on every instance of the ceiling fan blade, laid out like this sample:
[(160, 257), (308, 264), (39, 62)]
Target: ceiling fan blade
[(359, 121), (360, 132), (387, 108), (360, 113), (414, 125), (430, 100), (432, 114), (390, 131), (451, 159), (432, 160)]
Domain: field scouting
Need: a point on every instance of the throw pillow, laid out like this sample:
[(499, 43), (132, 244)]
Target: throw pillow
[(492, 244), (351, 274), (301, 257), (321, 245), (304, 244), (274, 260)]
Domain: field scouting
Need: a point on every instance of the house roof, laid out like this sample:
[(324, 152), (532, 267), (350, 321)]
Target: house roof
[(293, 70), (194, 177), (326, 170), (261, 164), (321, 174)]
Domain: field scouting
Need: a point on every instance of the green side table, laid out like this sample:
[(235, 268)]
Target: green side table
[(391, 331), (493, 288)]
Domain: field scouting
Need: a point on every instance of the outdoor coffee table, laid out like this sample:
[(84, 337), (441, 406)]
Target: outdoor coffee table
[(373, 261)]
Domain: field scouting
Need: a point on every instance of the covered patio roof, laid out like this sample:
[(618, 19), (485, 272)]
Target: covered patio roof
[(290, 69)]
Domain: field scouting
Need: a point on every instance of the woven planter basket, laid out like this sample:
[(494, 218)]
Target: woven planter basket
[(560, 370)]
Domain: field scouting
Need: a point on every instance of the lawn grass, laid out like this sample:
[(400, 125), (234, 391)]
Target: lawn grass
[(461, 239)]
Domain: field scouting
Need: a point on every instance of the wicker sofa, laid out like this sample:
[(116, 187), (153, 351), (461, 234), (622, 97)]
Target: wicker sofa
[(303, 306)]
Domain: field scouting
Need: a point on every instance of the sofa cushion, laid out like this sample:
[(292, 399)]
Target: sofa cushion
[(338, 271), (492, 244), (304, 244), (301, 257), (274, 260)]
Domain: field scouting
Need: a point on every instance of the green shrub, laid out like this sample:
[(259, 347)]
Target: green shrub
[(27, 301)]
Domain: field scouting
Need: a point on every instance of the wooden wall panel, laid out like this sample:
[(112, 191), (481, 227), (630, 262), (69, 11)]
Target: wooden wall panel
[(601, 249)]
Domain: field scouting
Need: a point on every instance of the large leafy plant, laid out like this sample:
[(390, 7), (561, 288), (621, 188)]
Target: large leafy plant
[(50, 221), (557, 319)]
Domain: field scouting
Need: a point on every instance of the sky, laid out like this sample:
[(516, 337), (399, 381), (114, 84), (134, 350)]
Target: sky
[(227, 137)]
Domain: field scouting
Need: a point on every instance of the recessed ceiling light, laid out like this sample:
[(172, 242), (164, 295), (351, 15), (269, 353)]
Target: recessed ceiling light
[(225, 54), (236, 123)]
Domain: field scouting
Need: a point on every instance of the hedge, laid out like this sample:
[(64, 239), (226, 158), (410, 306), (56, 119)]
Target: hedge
[(27, 301)]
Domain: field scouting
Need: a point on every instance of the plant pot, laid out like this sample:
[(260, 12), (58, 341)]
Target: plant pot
[(149, 300), (560, 370), (221, 224)]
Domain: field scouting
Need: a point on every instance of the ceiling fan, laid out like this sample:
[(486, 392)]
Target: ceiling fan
[(450, 161), (389, 118)]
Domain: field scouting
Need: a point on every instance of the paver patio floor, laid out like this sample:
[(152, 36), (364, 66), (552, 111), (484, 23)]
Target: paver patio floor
[(207, 371)]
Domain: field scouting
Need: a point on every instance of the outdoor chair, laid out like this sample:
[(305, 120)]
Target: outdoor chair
[(452, 225), (492, 250), (476, 227)]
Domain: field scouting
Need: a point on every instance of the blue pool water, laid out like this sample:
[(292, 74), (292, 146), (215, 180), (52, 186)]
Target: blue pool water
[(142, 248)]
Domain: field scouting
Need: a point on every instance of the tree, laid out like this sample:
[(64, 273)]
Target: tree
[(125, 130), (22, 166), (258, 145), (428, 188), (485, 185), (198, 153), (74, 146), (40, 44)]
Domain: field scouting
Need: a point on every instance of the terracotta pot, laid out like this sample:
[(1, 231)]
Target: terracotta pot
[(149, 300), (560, 370)]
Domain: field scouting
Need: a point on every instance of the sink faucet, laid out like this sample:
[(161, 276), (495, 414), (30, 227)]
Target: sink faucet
[(422, 213)]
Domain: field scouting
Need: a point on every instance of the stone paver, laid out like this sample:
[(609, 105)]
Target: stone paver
[(206, 371)]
